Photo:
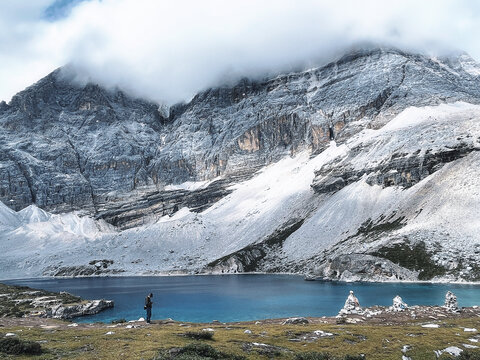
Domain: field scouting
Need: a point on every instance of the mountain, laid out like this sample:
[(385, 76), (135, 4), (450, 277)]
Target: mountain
[(365, 168)]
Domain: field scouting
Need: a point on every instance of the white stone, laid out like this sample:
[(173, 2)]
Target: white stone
[(208, 329), (452, 350), (73, 325), (110, 333), (433, 326), (247, 331), (141, 319), (468, 346), (470, 330), (322, 333), (10, 334)]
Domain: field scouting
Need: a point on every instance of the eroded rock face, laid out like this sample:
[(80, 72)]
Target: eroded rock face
[(67, 146), (403, 170), (361, 267)]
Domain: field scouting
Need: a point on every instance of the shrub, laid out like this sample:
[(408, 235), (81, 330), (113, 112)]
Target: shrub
[(200, 335), (326, 356), (197, 351), (313, 356), (119, 321), (469, 355), (14, 346)]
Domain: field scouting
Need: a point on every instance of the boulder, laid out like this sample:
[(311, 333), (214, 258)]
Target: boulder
[(451, 350), (296, 320)]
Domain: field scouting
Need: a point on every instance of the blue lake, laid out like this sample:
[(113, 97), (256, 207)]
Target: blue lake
[(241, 297)]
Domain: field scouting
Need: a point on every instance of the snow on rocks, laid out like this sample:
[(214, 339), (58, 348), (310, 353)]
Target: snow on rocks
[(451, 303)]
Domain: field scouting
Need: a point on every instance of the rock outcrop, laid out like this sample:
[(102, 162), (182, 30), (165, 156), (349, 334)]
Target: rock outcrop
[(23, 301), (71, 311), (361, 267)]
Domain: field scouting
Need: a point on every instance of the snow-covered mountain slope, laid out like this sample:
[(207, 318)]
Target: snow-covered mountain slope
[(275, 221), (366, 168)]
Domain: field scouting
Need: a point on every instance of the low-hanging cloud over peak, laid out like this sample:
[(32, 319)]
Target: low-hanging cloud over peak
[(169, 50)]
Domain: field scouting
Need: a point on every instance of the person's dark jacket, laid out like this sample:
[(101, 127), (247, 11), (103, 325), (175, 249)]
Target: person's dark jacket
[(148, 302)]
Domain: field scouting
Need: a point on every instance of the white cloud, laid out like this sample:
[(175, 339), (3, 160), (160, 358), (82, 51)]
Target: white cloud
[(169, 50)]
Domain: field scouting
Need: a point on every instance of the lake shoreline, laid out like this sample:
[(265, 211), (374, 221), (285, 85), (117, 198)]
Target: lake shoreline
[(169, 275), (380, 336)]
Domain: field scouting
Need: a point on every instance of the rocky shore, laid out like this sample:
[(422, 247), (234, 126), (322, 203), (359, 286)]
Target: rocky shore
[(397, 332), (22, 301)]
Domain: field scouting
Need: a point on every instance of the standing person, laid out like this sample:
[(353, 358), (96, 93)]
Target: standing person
[(148, 306)]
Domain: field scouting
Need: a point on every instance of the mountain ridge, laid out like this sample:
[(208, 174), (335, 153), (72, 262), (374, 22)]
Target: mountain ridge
[(216, 185)]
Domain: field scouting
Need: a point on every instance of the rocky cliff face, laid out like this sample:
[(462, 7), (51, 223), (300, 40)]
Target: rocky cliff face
[(68, 146), (282, 174)]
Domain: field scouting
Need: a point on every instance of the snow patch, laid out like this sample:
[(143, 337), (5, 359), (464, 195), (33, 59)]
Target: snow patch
[(190, 185)]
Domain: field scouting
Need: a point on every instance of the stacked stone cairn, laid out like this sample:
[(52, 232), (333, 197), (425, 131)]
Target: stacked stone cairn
[(451, 303), (398, 304), (352, 306)]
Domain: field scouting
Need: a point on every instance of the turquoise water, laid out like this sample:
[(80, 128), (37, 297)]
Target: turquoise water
[(241, 297)]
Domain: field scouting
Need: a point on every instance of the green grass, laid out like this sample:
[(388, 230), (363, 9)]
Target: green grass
[(377, 342)]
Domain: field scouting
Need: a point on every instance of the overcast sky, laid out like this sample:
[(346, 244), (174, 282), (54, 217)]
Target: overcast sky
[(169, 50)]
